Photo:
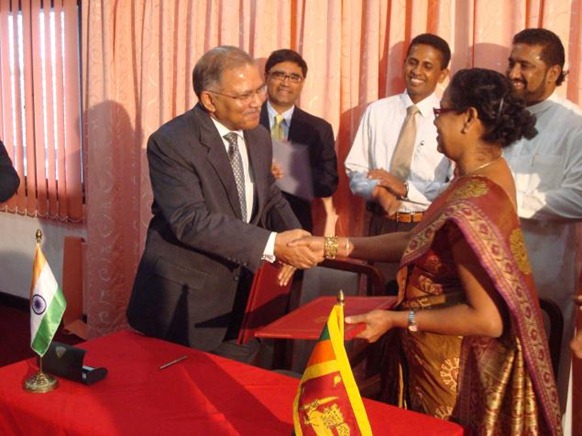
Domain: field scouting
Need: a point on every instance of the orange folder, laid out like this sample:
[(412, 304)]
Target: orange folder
[(307, 321)]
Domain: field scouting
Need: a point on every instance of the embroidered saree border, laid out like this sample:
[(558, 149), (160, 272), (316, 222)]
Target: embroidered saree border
[(473, 204)]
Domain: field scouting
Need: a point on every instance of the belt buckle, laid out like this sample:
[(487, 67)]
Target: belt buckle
[(408, 217), (404, 217)]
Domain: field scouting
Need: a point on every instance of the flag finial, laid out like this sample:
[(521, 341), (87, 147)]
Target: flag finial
[(340, 298), (38, 236)]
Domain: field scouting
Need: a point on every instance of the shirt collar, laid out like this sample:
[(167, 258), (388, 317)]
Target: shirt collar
[(544, 105), (222, 130), (425, 106), (287, 115)]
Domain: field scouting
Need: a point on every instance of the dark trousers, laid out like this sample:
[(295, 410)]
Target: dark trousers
[(229, 348), (245, 353)]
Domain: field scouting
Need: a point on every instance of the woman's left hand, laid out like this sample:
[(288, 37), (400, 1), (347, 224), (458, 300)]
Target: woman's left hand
[(377, 323)]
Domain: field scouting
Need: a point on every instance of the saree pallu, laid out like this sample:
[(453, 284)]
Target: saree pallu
[(494, 386)]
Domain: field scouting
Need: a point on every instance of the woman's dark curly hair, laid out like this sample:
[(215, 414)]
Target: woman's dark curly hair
[(504, 116)]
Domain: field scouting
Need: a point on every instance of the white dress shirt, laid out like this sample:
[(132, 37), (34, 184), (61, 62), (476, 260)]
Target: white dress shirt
[(548, 177), (242, 148), (376, 140), (268, 252)]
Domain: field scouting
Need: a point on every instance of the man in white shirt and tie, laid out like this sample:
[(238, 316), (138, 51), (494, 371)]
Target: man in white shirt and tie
[(398, 180), (548, 176)]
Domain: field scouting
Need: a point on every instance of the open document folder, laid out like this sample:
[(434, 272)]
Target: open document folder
[(293, 159), (307, 321)]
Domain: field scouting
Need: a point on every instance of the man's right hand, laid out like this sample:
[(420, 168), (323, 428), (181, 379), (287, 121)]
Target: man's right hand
[(299, 257), (277, 170)]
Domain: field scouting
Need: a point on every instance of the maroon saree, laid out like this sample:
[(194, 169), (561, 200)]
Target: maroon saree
[(499, 385)]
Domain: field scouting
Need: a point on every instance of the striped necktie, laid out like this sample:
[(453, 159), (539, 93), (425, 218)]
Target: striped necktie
[(238, 171)]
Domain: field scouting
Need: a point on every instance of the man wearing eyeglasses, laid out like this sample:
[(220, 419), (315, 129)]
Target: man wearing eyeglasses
[(285, 73), (217, 213), (398, 177)]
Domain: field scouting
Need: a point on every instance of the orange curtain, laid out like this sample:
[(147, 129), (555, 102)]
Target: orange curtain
[(39, 121), (137, 62)]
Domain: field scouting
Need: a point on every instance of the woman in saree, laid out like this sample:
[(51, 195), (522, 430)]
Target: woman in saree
[(472, 345)]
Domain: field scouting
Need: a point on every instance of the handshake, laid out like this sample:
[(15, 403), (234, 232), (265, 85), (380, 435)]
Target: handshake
[(297, 249)]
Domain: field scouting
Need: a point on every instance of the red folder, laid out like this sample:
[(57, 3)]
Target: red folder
[(267, 301), (307, 321)]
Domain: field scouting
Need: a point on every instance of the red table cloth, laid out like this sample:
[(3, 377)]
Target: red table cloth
[(202, 394)]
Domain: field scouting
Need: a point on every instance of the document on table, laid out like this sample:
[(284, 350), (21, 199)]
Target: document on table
[(294, 161)]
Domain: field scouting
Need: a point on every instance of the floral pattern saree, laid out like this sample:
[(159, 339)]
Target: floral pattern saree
[(494, 386)]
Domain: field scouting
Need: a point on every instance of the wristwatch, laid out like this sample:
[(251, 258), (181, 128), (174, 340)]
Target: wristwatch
[(405, 196), (412, 326)]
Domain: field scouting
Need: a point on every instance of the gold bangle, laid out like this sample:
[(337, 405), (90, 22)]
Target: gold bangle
[(330, 247), (347, 248)]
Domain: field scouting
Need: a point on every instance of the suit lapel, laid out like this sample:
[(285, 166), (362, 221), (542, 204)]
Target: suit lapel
[(264, 120), (299, 130), (217, 157)]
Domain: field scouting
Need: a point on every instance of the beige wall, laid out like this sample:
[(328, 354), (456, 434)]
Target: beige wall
[(17, 245)]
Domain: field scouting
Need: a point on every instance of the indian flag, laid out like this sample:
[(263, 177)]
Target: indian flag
[(47, 304), (328, 400)]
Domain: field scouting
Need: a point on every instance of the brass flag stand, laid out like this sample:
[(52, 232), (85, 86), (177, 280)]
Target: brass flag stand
[(41, 382)]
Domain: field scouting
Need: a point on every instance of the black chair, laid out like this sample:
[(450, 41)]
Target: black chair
[(333, 275), (554, 324)]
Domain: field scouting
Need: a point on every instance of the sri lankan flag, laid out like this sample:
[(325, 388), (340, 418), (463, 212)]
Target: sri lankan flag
[(328, 400)]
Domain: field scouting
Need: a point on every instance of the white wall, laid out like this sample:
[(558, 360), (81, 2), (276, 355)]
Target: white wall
[(17, 245)]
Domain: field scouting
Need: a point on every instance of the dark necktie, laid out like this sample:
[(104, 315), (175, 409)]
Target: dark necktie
[(238, 171), (402, 157)]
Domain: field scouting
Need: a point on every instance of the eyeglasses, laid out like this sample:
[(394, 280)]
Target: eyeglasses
[(247, 96), (438, 111), (282, 76)]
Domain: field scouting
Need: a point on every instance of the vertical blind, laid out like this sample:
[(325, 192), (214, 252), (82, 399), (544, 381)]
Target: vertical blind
[(40, 114)]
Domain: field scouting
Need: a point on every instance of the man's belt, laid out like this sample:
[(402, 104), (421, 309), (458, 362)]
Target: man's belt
[(407, 217), (399, 217)]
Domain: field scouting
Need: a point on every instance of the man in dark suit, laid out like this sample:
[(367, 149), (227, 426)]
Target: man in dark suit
[(285, 73), (9, 180), (213, 221)]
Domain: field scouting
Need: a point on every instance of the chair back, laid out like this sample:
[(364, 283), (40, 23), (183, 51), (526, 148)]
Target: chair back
[(333, 275), (554, 324), (327, 279)]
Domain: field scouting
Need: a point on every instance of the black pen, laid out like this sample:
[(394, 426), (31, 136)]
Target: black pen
[(179, 359)]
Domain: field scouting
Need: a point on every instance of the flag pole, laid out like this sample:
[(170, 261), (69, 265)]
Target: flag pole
[(40, 382), (340, 298), (341, 302)]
